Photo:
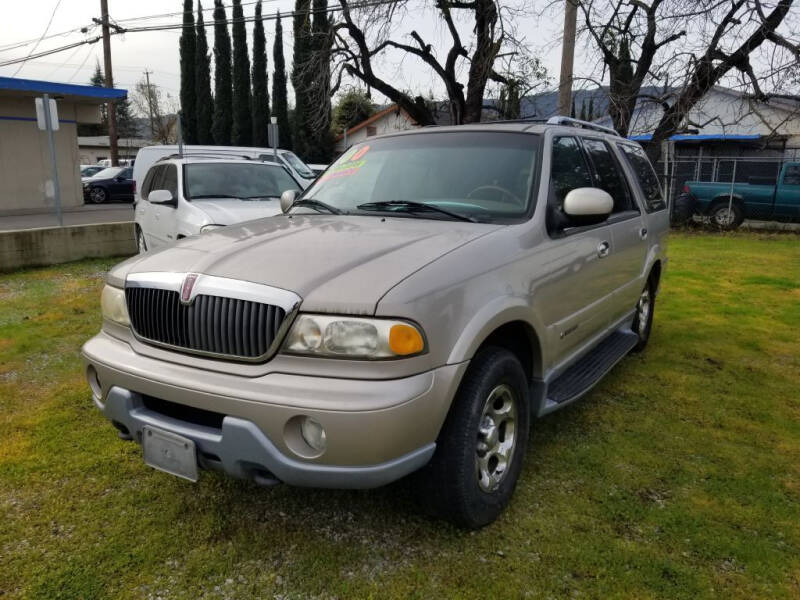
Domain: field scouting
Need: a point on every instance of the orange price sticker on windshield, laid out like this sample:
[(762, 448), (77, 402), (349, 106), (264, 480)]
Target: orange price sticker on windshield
[(359, 153)]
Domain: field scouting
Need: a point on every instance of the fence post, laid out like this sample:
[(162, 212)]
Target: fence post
[(730, 197)]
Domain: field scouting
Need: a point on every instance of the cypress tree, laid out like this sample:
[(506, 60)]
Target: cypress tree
[(202, 82), (301, 80), (279, 102), (188, 91), (223, 91), (321, 148), (260, 82), (242, 104), (590, 116)]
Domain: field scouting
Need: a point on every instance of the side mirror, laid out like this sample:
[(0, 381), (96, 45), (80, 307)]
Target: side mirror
[(161, 197), (287, 199), (588, 205)]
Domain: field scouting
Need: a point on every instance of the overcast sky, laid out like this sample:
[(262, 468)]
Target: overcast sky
[(158, 51)]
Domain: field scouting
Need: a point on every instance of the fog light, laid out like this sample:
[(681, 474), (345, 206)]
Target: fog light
[(313, 433)]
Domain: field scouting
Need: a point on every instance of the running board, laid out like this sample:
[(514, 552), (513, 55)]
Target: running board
[(589, 369)]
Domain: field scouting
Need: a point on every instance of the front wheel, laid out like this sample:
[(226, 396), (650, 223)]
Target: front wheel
[(481, 447), (97, 195)]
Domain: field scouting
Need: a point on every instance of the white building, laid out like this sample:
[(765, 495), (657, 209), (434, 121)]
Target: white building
[(390, 119), (92, 149)]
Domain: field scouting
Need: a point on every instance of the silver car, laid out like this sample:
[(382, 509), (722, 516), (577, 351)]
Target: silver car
[(412, 311)]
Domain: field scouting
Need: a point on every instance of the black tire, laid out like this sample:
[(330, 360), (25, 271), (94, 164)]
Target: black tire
[(648, 295), (718, 216), (450, 486), (141, 243), (683, 209), (97, 195)]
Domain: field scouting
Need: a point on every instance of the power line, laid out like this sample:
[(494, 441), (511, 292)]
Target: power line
[(268, 17), (39, 41)]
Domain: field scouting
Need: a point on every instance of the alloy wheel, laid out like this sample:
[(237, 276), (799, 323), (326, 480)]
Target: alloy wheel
[(643, 312), (497, 436)]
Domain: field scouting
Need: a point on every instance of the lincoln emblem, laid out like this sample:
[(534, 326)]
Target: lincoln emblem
[(186, 288)]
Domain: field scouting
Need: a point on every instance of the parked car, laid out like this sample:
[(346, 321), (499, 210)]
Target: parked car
[(150, 154), (763, 198), (186, 196), (89, 170), (113, 184), (411, 311), (317, 168)]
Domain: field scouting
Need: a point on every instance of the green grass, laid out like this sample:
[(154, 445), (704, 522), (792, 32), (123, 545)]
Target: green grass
[(677, 477)]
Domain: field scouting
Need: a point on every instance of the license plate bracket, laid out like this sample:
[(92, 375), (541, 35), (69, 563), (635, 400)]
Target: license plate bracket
[(169, 452)]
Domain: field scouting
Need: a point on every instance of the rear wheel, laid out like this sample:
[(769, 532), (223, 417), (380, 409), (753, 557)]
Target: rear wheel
[(480, 449), (720, 217), (97, 195), (682, 209), (643, 318)]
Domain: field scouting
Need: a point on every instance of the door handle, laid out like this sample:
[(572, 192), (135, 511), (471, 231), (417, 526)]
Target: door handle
[(643, 233), (603, 248)]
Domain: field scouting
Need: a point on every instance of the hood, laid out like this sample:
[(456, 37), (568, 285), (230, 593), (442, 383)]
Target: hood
[(228, 211), (336, 263)]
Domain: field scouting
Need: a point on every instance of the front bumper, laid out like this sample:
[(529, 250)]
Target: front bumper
[(377, 430)]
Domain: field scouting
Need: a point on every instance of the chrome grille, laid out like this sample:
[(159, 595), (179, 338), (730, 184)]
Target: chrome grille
[(226, 327)]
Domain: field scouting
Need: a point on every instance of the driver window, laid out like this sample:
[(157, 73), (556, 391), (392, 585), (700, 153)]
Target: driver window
[(568, 171)]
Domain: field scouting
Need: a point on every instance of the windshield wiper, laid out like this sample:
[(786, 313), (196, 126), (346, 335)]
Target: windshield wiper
[(201, 197), (412, 207), (316, 204)]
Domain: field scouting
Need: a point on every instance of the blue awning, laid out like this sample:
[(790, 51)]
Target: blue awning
[(688, 137), (34, 86)]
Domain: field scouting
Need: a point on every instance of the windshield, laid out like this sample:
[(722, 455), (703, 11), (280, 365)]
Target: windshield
[(298, 165), (252, 181), (483, 176), (108, 173)]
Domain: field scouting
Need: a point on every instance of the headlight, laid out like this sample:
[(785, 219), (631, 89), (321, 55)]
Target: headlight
[(352, 337), (205, 228), (112, 304)]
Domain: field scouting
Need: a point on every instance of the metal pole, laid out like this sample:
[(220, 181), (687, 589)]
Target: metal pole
[(48, 123), (567, 58), (150, 104), (112, 106), (730, 197)]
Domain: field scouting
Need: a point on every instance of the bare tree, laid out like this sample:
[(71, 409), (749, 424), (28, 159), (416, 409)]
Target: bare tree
[(162, 108), (364, 34)]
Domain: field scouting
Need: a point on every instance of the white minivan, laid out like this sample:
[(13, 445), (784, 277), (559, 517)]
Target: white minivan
[(150, 154), (185, 196)]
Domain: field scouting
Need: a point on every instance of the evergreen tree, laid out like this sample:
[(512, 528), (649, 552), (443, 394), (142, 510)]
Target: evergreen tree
[(126, 127), (590, 115), (188, 89), (223, 90), (583, 110), (260, 82), (202, 82), (279, 102), (242, 119), (321, 147), (354, 107), (301, 78), (101, 128), (572, 110)]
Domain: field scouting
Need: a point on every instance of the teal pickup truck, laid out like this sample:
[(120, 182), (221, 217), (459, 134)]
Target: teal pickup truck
[(763, 198)]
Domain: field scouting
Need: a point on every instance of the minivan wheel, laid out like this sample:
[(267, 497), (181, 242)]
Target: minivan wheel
[(643, 317), (480, 449), (97, 195), (141, 244)]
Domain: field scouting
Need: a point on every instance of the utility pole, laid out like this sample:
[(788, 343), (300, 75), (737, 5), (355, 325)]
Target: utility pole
[(112, 106), (150, 104), (567, 57)]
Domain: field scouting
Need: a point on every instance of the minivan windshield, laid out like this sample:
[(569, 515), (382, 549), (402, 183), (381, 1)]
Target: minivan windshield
[(249, 181), (481, 176)]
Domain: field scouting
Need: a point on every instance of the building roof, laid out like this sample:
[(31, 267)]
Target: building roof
[(378, 115), (101, 141), (13, 86)]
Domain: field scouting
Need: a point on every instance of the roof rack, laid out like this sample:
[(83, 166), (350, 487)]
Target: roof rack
[(569, 121), (205, 155)]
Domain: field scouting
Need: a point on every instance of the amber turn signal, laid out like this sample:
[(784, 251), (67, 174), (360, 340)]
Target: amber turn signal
[(405, 339)]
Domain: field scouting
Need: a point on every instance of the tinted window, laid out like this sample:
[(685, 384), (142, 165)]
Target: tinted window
[(147, 186), (792, 176), (237, 180), (169, 181), (645, 175), (483, 175), (607, 174), (568, 171), (127, 173)]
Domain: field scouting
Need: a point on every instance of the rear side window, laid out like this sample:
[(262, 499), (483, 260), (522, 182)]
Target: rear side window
[(792, 175), (568, 171), (645, 176), (127, 173), (608, 176)]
